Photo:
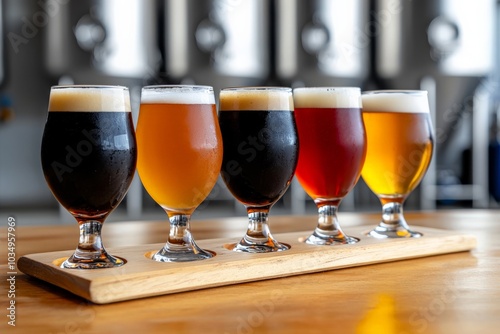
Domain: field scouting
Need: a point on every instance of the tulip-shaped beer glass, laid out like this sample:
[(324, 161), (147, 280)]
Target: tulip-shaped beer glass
[(260, 156), (400, 145), (179, 159), (88, 160), (332, 152)]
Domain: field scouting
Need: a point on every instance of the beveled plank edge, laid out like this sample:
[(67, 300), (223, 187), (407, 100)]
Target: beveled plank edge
[(51, 274)]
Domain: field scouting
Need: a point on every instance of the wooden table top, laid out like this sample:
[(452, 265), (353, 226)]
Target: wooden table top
[(453, 293)]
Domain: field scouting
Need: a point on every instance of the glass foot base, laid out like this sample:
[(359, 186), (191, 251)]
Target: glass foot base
[(316, 239), (259, 246), (105, 261), (382, 232), (165, 255)]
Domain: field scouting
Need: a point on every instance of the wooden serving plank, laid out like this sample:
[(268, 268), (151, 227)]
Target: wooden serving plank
[(142, 277)]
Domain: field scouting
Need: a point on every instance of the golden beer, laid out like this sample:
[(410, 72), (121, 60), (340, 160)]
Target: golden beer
[(399, 151), (400, 144)]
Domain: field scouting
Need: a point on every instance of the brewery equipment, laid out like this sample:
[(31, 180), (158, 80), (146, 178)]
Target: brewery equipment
[(103, 39), (219, 43), (447, 48), (322, 42)]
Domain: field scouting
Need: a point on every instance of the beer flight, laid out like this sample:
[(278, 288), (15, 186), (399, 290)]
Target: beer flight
[(257, 140)]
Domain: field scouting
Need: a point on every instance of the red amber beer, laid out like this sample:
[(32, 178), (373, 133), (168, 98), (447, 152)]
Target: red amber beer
[(400, 145), (332, 141), (332, 152), (88, 158)]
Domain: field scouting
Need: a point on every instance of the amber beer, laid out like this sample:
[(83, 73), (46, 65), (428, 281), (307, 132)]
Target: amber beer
[(400, 142), (88, 148), (179, 144)]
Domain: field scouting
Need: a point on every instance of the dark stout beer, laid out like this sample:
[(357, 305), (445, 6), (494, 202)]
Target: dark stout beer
[(261, 149), (88, 152), (260, 143), (260, 153)]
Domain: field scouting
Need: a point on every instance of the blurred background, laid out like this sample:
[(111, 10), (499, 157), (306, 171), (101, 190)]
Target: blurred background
[(447, 47)]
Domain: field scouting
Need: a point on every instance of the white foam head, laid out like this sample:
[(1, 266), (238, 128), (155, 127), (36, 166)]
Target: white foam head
[(181, 94), (408, 101), (327, 97), (89, 98), (256, 98)]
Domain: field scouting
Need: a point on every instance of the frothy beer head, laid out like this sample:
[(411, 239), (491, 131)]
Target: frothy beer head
[(412, 101), (327, 97), (182, 94), (256, 98), (89, 98)]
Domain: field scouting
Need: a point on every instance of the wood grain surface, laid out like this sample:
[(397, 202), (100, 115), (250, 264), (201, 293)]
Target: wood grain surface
[(451, 293)]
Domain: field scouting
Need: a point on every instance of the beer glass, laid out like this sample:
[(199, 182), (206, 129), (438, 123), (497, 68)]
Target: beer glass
[(400, 145), (88, 158), (179, 159), (332, 152), (260, 156)]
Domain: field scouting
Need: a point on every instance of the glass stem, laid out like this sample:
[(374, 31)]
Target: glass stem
[(90, 252), (328, 222), (328, 230), (393, 224), (258, 238), (179, 237), (392, 216), (180, 245), (258, 226), (90, 243)]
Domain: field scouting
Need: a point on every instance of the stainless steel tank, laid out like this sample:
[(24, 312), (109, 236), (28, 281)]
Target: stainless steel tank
[(322, 42), (446, 47), (217, 42), (101, 40)]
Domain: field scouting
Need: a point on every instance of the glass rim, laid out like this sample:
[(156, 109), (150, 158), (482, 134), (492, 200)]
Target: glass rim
[(258, 88), (395, 91), (180, 87), (80, 86)]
